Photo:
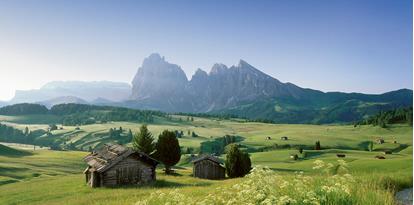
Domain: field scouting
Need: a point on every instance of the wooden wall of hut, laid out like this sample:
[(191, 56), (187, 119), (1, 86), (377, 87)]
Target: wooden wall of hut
[(207, 169)]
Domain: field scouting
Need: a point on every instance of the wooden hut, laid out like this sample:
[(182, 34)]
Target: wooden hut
[(340, 155), (294, 156), (208, 167), (115, 165), (380, 141), (284, 138)]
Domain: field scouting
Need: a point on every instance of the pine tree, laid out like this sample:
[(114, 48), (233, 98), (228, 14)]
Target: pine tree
[(130, 135), (26, 131), (111, 132), (238, 163), (370, 146), (168, 150), (143, 141), (318, 145)]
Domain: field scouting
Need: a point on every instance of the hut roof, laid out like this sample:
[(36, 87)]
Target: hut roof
[(111, 154), (207, 157)]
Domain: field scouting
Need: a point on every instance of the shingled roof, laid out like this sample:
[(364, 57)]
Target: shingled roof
[(207, 157), (111, 154)]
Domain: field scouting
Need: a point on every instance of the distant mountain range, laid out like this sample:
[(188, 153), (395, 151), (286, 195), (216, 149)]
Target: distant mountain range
[(240, 90), (74, 92)]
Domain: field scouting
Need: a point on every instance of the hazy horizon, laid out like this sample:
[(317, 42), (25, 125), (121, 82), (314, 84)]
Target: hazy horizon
[(346, 46)]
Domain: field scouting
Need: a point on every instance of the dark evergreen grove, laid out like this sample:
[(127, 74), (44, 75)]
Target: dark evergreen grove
[(26, 136), (72, 114), (79, 114), (23, 109), (382, 119)]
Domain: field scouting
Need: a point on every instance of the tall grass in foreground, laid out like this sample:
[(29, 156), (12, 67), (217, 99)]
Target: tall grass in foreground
[(332, 186)]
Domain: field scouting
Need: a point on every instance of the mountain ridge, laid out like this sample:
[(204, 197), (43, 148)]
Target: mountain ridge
[(234, 89)]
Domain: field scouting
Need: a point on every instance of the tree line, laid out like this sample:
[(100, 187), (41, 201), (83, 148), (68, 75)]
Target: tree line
[(82, 114), (26, 136), (384, 118)]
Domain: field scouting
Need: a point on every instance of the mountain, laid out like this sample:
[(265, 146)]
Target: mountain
[(245, 91), (101, 101), (3, 103), (160, 85), (87, 91), (61, 100)]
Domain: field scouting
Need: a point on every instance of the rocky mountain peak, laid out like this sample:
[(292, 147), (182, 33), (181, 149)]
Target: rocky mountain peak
[(154, 57), (218, 68), (243, 63), (158, 79), (200, 74), (162, 85)]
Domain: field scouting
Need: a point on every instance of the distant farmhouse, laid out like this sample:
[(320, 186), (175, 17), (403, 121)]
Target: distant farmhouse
[(380, 141), (208, 167), (115, 165)]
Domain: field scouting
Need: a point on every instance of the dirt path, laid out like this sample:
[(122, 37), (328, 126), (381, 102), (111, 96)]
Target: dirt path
[(405, 197)]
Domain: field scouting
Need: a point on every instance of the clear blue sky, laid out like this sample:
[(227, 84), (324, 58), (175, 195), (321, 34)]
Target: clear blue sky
[(352, 46)]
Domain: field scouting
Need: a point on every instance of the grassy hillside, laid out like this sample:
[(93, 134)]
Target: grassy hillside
[(55, 177), (10, 152), (254, 135), (319, 108)]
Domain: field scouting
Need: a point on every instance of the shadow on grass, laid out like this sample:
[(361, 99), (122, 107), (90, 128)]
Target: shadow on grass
[(364, 145), (9, 181), (176, 174), (162, 184), (14, 172), (400, 148), (11, 152), (285, 170)]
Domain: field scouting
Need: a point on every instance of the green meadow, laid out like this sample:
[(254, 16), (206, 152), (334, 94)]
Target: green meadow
[(55, 177)]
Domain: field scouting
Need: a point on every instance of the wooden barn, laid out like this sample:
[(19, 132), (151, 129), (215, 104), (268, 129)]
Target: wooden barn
[(115, 165), (380, 141), (208, 167)]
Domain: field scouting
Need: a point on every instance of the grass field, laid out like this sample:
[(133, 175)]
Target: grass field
[(54, 177)]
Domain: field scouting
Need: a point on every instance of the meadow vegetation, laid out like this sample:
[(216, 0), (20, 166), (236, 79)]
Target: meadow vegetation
[(315, 177)]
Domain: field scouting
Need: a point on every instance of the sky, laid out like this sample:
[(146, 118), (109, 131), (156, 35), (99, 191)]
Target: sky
[(329, 45)]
